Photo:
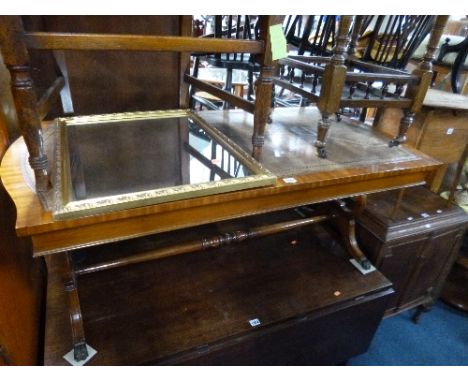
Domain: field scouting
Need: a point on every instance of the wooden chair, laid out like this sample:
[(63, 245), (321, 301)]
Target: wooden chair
[(383, 40), (459, 64), (311, 35), (390, 40), (306, 35), (17, 44), (346, 81), (261, 59), (229, 27)]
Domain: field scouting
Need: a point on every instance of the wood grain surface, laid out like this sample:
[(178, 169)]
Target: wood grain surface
[(288, 152), (182, 309)]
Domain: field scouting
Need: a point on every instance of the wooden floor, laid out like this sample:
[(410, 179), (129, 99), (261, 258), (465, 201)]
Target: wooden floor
[(163, 311)]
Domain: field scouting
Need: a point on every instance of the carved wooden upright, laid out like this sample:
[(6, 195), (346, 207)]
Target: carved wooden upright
[(264, 85), (333, 84), (16, 58), (350, 82), (417, 92)]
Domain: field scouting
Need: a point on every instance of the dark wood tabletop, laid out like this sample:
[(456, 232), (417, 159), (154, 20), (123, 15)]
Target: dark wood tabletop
[(172, 311)]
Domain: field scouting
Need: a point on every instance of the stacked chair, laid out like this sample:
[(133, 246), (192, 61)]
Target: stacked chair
[(229, 27), (17, 45), (346, 80)]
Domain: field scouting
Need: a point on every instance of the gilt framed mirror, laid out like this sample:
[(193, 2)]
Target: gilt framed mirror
[(128, 160)]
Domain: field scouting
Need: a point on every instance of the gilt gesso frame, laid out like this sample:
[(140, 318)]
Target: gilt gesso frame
[(64, 207)]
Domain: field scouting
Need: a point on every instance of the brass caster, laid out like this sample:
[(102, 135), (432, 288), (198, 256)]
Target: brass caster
[(322, 153), (80, 352), (393, 143), (366, 264)]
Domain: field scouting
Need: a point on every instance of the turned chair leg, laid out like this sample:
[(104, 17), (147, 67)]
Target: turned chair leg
[(405, 123), (322, 131)]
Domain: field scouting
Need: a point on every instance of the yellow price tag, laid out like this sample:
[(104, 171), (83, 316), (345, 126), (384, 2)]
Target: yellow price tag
[(278, 42)]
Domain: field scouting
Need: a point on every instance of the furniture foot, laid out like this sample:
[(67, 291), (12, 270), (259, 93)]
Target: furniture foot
[(80, 352), (321, 152), (420, 310), (396, 141)]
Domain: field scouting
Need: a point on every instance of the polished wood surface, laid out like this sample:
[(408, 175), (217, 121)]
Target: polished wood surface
[(88, 41), (22, 286), (4, 136), (195, 309), (315, 180)]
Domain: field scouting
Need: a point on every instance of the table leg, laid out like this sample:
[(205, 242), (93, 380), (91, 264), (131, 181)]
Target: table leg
[(344, 223), (80, 351)]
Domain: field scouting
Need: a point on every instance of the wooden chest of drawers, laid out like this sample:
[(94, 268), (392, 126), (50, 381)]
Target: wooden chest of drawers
[(413, 245)]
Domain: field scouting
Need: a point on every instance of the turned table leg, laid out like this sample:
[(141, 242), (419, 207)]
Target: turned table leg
[(322, 131), (80, 351)]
